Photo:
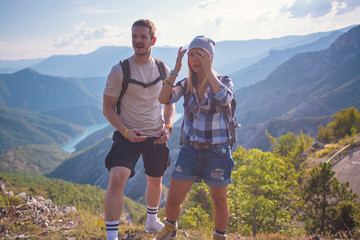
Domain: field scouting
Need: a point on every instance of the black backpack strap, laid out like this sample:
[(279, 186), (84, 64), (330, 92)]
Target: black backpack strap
[(161, 68), (125, 67)]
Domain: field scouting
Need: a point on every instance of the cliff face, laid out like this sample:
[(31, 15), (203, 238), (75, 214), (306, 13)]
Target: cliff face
[(310, 84)]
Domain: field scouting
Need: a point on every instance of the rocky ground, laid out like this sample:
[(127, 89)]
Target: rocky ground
[(30, 214)]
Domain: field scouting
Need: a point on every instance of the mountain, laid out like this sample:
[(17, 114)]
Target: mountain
[(33, 91), (86, 167), (95, 85), (231, 56), (40, 159), (81, 115), (264, 67), (69, 99), (307, 85), (94, 64), (254, 136), (21, 127), (11, 66)]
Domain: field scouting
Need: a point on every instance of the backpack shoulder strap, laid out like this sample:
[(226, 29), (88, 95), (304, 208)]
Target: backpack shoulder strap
[(125, 67), (161, 68)]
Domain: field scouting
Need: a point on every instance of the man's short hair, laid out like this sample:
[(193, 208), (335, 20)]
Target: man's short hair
[(146, 23)]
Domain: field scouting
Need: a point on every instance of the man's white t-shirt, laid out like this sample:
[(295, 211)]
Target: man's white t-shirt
[(139, 107)]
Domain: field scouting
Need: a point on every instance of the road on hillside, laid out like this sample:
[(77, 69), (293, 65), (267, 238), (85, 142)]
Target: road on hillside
[(348, 170)]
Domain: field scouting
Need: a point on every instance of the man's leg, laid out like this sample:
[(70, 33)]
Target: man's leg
[(153, 196), (114, 199)]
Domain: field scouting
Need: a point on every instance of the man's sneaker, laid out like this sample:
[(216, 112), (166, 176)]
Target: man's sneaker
[(219, 236), (168, 232), (153, 226)]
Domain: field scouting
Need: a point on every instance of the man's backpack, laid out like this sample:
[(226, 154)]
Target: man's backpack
[(125, 66)]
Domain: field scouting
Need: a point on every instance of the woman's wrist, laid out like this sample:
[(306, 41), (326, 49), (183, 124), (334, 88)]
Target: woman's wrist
[(174, 72)]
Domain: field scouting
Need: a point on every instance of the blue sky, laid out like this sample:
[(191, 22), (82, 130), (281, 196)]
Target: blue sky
[(41, 28)]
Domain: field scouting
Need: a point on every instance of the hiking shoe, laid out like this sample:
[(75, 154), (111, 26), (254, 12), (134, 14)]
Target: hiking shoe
[(219, 236), (153, 226), (168, 232)]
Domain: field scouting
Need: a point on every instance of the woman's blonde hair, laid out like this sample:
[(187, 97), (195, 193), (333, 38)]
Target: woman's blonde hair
[(192, 79)]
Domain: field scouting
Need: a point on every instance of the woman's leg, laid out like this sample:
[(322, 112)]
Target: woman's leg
[(221, 208), (177, 193)]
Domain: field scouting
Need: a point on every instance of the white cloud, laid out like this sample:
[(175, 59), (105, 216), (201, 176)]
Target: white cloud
[(86, 35), (318, 8), (93, 10)]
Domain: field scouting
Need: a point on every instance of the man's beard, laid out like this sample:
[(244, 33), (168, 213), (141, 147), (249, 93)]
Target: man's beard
[(145, 51)]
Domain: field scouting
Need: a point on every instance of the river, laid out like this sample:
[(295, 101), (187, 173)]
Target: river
[(70, 146)]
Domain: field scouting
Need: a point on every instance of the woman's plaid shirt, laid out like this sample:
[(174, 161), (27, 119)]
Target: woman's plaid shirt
[(205, 122)]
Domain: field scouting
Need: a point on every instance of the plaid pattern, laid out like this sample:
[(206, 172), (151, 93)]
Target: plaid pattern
[(205, 122)]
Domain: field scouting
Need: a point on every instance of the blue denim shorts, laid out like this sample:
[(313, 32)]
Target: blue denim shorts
[(213, 166)]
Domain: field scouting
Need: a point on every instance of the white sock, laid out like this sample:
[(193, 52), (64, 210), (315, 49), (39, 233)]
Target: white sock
[(151, 213), (112, 228)]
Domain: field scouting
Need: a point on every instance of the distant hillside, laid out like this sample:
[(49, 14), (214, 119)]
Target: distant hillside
[(94, 138), (33, 159), (308, 85), (37, 92), (21, 127), (231, 56), (86, 166), (94, 64), (253, 136), (263, 68), (11, 66), (81, 115), (95, 85)]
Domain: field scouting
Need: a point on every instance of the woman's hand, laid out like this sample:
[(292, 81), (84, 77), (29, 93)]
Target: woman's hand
[(205, 59), (179, 58)]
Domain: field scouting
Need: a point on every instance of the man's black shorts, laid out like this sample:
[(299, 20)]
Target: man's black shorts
[(124, 153)]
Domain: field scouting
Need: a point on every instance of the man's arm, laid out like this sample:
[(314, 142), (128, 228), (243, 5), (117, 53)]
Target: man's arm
[(114, 119)]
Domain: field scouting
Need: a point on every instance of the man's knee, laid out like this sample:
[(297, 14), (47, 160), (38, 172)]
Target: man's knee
[(118, 177), (154, 181)]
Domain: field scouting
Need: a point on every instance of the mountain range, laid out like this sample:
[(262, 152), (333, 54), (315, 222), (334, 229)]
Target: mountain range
[(292, 84)]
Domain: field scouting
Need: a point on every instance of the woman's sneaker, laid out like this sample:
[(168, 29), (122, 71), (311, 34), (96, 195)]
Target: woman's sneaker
[(154, 226), (218, 236), (168, 232)]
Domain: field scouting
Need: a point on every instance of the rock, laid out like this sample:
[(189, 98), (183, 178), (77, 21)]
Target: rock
[(42, 212), (318, 145), (2, 186)]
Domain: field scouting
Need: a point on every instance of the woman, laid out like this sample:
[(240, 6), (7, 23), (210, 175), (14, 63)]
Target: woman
[(205, 153)]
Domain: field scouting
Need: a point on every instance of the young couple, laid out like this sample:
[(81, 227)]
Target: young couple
[(141, 130)]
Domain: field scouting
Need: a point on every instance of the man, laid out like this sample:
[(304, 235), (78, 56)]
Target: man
[(140, 129)]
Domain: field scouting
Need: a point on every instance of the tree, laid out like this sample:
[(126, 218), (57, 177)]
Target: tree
[(323, 193), (198, 207), (291, 147), (262, 193), (345, 122)]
